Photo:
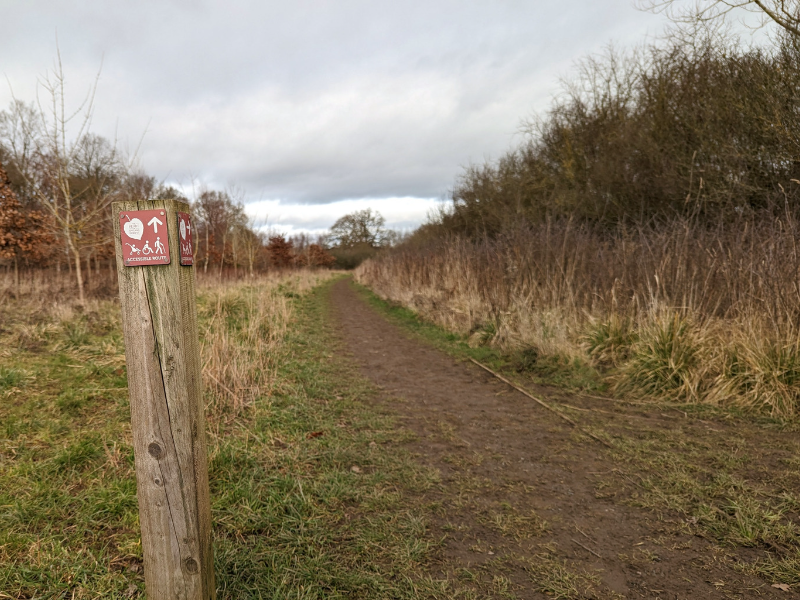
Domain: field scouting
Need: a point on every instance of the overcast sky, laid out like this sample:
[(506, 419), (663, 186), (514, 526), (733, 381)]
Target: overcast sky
[(313, 108)]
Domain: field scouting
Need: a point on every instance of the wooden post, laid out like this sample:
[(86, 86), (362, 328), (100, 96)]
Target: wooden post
[(159, 321)]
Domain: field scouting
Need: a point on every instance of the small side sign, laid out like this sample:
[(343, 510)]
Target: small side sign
[(185, 239), (144, 238)]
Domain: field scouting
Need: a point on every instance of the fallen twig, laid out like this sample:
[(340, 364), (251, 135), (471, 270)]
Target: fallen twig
[(581, 531), (544, 404), (587, 549), (615, 414)]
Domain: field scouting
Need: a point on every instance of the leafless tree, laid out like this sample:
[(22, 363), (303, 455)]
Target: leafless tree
[(71, 173), (220, 224), (784, 13)]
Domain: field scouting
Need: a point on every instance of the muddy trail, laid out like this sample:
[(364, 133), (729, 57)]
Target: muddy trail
[(529, 506)]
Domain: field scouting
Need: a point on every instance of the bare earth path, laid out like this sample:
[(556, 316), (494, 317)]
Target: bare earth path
[(508, 467)]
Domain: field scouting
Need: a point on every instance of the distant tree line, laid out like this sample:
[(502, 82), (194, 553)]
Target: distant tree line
[(58, 181), (67, 224)]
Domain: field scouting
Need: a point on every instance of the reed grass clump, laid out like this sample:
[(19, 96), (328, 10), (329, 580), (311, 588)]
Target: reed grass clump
[(608, 341), (664, 360), (762, 374)]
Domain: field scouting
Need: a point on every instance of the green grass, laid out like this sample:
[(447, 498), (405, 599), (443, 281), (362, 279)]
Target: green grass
[(709, 481), (555, 578), (292, 516), (68, 519), (10, 378)]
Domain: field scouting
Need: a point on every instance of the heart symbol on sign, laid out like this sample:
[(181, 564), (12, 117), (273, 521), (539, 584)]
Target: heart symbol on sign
[(183, 229), (134, 229)]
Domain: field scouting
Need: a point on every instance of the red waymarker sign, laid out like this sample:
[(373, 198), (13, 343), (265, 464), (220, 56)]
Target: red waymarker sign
[(185, 239), (144, 237)]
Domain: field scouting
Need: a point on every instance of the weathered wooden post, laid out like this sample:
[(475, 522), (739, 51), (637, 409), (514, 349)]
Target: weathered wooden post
[(159, 320)]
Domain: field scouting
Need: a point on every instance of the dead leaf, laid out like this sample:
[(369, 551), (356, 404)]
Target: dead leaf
[(315, 434), (355, 469), (781, 586)]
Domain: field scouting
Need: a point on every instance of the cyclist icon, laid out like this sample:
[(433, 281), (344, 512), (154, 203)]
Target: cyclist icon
[(146, 249), (159, 246)]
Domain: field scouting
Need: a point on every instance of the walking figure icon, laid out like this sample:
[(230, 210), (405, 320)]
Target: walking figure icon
[(159, 246)]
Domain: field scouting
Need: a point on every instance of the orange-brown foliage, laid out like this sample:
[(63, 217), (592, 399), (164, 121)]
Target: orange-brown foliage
[(23, 234)]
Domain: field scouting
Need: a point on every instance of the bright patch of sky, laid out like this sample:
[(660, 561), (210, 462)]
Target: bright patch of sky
[(401, 214)]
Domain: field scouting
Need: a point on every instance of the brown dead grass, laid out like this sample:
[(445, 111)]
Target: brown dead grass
[(242, 328), (677, 311)]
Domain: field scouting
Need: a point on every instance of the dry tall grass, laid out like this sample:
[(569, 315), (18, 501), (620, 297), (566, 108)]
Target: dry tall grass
[(242, 327), (51, 284), (676, 310)]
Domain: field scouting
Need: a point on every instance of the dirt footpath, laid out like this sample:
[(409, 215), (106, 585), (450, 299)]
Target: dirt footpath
[(523, 506)]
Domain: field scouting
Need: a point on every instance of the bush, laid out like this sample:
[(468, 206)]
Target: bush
[(664, 361)]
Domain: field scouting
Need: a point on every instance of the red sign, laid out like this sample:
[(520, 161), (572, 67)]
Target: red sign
[(185, 239), (143, 234)]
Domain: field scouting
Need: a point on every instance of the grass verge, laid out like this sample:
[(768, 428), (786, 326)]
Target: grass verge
[(309, 491), (561, 371)]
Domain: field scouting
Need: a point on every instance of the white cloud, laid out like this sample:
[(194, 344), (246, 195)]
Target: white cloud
[(400, 213)]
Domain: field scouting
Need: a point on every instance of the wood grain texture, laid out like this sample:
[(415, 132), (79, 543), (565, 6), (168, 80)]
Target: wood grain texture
[(159, 320)]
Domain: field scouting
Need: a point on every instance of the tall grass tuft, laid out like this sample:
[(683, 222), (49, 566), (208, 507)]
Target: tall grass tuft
[(664, 361), (608, 341), (762, 373)]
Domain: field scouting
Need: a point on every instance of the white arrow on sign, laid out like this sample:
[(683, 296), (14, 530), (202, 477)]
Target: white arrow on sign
[(155, 222)]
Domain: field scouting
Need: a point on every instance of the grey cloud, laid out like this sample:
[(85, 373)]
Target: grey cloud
[(314, 101)]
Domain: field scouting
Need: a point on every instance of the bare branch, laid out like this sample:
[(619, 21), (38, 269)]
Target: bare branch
[(783, 13)]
